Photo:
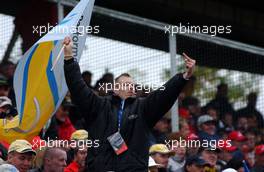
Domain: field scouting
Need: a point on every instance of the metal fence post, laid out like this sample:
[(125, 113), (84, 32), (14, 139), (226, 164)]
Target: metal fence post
[(60, 11), (173, 70)]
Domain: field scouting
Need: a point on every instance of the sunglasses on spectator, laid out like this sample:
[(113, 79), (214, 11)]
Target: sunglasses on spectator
[(210, 123)]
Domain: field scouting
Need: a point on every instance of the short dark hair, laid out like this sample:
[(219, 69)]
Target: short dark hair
[(86, 73), (50, 152), (122, 75)]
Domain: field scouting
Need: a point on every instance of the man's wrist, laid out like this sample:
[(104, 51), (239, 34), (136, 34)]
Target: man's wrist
[(68, 57), (185, 76)]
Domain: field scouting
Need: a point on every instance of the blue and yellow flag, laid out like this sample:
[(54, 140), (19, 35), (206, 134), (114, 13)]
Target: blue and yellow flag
[(39, 84)]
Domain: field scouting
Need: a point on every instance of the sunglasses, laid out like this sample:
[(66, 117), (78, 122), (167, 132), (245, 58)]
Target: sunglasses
[(210, 123)]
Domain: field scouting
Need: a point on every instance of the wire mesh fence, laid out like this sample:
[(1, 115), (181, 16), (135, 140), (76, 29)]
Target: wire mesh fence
[(6, 31), (239, 83), (152, 66)]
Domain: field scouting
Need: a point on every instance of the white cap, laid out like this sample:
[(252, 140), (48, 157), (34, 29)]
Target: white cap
[(229, 170), (203, 119), (152, 163), (5, 101)]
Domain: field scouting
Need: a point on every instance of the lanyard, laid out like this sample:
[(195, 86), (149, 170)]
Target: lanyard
[(120, 113)]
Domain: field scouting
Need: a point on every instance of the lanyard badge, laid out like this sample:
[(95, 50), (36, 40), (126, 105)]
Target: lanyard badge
[(116, 140), (117, 143)]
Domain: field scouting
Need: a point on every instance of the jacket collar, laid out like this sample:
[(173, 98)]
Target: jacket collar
[(117, 100)]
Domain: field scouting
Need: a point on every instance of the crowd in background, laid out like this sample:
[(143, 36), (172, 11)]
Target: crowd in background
[(241, 130)]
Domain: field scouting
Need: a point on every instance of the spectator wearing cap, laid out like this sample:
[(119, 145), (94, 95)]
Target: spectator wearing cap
[(152, 165), (195, 164), (259, 159), (21, 154), (237, 140), (4, 86), (61, 126), (6, 109), (78, 136), (207, 128), (210, 155), (177, 161), (160, 153), (5, 103)]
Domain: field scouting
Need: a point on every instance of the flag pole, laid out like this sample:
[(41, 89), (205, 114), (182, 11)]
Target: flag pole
[(58, 57)]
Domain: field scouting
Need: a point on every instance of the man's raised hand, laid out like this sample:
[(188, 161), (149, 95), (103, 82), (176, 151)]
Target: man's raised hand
[(190, 65), (67, 43)]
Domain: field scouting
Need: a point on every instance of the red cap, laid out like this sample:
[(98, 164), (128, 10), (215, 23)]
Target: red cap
[(184, 113), (192, 136), (227, 147), (259, 150), (236, 136)]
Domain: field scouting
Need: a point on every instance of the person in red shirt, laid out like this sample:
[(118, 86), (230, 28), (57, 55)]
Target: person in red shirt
[(61, 127), (78, 163)]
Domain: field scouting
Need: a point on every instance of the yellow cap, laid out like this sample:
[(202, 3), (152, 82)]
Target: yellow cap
[(79, 135), (160, 148), (21, 146)]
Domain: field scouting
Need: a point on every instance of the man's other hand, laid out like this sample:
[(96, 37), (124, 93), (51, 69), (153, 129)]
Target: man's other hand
[(190, 65)]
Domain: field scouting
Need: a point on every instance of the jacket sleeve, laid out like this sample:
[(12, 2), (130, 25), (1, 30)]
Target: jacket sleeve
[(158, 102), (88, 102)]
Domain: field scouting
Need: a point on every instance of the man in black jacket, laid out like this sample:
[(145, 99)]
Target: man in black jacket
[(121, 122)]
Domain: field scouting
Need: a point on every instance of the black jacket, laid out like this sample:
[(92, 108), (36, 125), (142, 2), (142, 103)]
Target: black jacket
[(139, 116)]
